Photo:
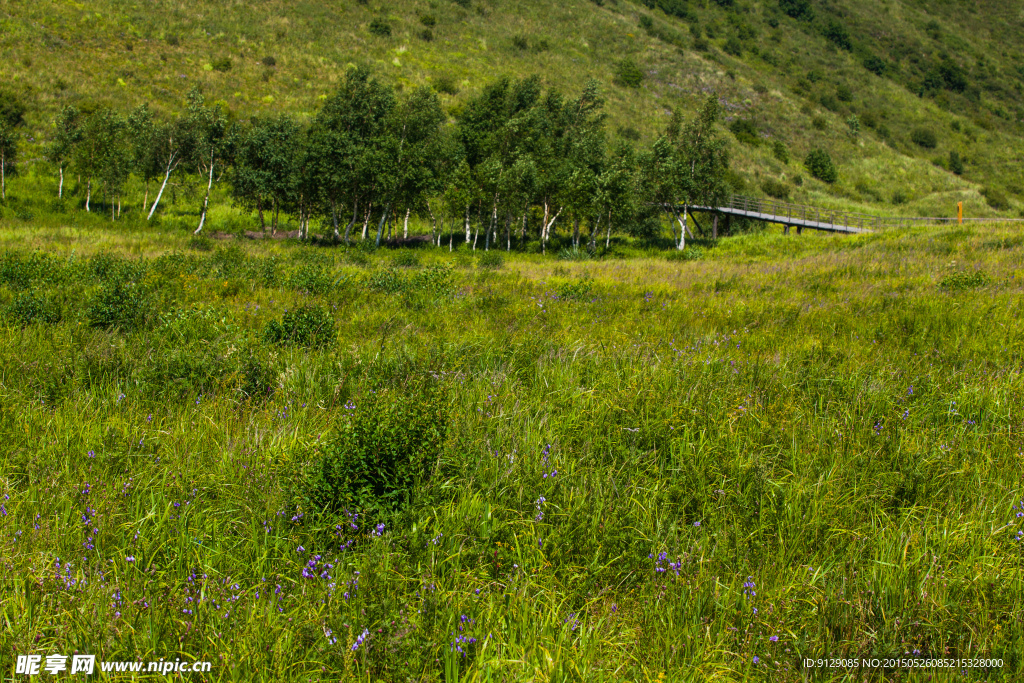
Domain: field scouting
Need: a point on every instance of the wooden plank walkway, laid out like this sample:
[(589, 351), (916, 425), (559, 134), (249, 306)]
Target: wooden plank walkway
[(829, 220)]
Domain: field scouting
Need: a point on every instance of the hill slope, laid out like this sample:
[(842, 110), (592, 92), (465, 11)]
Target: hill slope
[(863, 80)]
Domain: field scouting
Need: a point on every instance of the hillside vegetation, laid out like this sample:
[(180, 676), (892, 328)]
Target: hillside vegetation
[(901, 94)]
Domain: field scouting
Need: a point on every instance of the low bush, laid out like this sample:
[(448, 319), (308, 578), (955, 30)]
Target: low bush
[(628, 74), (312, 278), (746, 132), (996, 199), (491, 259), (406, 259), (28, 308), (690, 253), (577, 290), (119, 305), (775, 188), (385, 448), (780, 152), (924, 137), (380, 27), (310, 326), (960, 280), (819, 164)]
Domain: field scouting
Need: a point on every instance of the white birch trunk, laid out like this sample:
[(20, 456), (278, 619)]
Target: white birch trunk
[(88, 194), (467, 223), (206, 201), (405, 229), (60, 187), (156, 202)]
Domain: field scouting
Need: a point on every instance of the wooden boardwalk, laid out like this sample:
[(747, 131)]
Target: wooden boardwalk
[(815, 218)]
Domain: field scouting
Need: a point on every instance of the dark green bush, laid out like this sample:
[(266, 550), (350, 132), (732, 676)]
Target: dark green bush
[(490, 259), (406, 259), (310, 326), (428, 20), (836, 33), (843, 93), (313, 278), (118, 305), (185, 371), (577, 290), (257, 379), (996, 199), (222, 64), (520, 42), (269, 60), (380, 27), (819, 123), (829, 101), (436, 280), (798, 9), (733, 46), (426, 35), (819, 164), (387, 281), (628, 74), (746, 132), (28, 308), (960, 280), (924, 137), (384, 449), (780, 152), (690, 253), (200, 243), (446, 84), (956, 163), (775, 188), (875, 65)]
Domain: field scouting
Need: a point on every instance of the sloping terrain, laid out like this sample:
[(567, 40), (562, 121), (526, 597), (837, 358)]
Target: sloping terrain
[(900, 93)]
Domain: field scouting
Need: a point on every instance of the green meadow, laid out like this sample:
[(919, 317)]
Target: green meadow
[(305, 463)]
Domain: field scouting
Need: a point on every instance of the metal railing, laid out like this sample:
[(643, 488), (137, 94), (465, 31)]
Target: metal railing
[(786, 211)]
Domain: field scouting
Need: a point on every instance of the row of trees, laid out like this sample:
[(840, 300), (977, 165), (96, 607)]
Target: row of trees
[(515, 159)]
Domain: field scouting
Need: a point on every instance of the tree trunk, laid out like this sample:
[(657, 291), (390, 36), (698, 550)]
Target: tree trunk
[(608, 237), (508, 232), (451, 239), (118, 206), (3, 179), (546, 228), (206, 200), (522, 232), (576, 232), (405, 230), (714, 227), (277, 214), (263, 221), (111, 207), (60, 187), (366, 218), (334, 219), (156, 202), (88, 193), (355, 215), (383, 218), (145, 198), (467, 223), (593, 233), (435, 239), (491, 227), (682, 225)]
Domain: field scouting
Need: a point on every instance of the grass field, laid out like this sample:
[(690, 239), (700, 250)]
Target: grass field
[(622, 469)]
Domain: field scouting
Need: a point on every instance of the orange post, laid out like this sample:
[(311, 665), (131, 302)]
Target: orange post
[(960, 213)]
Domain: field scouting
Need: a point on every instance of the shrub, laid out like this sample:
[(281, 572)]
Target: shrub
[(257, 379), (200, 243), (629, 133), (386, 281), (490, 259), (579, 290), (435, 280), (406, 259), (956, 163), (690, 253), (829, 102), (775, 188), (746, 132), (628, 74), (380, 27), (798, 9), (314, 278), (574, 254), (381, 452), (733, 47), (446, 84), (780, 152), (960, 280), (898, 197), (875, 65), (28, 308), (819, 123), (996, 199), (819, 164), (843, 93), (426, 35), (428, 20), (701, 44), (117, 305), (310, 326), (269, 61), (222, 64), (836, 33), (924, 137), (520, 42)]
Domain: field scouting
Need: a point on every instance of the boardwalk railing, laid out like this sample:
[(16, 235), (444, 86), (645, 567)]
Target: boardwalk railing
[(787, 212)]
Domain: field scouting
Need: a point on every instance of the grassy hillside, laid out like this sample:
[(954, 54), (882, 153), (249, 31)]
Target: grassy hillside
[(897, 66)]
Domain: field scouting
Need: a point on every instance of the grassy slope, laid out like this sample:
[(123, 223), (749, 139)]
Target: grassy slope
[(120, 53), (844, 432)]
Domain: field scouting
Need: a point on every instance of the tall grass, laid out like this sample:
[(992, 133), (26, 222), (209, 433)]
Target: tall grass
[(794, 447)]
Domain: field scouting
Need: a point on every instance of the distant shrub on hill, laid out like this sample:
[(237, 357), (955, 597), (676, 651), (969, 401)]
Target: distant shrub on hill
[(798, 9), (835, 32), (380, 27), (924, 137), (746, 132), (996, 199), (629, 74), (775, 188), (819, 164), (269, 60)]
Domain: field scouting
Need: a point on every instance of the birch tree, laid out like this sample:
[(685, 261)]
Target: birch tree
[(67, 134)]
